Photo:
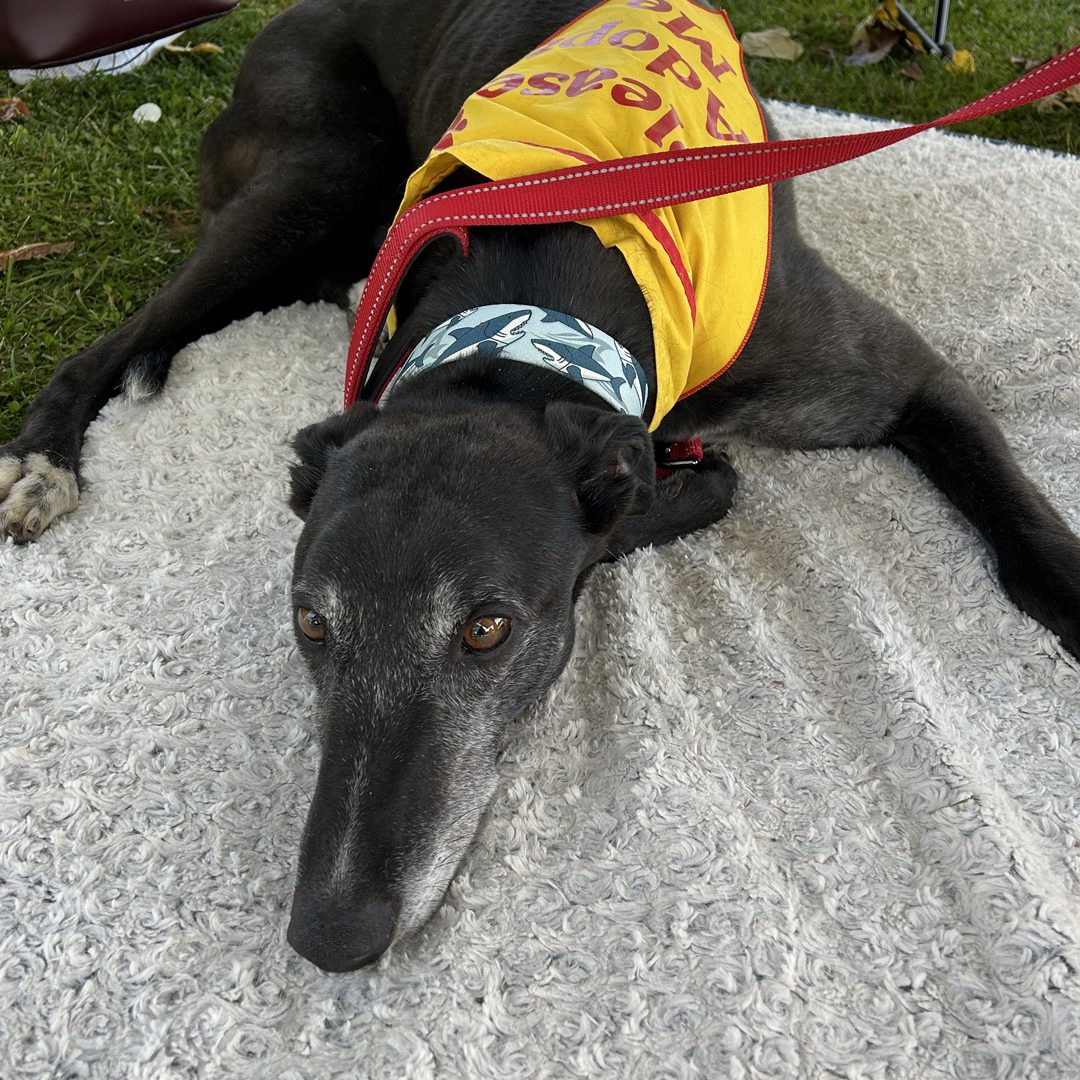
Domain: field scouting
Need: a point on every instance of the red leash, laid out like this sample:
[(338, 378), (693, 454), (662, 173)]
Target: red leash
[(585, 192)]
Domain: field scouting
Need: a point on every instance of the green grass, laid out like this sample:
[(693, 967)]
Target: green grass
[(992, 30), (81, 170)]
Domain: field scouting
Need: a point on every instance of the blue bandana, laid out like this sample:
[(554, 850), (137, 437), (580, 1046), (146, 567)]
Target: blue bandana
[(534, 335)]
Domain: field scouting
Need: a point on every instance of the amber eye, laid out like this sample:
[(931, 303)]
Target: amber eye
[(311, 624), (485, 633)]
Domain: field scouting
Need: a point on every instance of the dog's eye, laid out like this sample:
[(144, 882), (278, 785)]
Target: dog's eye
[(311, 624), (485, 633)]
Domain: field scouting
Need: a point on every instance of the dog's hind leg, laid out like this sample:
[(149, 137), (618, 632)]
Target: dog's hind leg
[(295, 186), (954, 439), (830, 367)]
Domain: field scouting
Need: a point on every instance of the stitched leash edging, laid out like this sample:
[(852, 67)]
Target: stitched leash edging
[(664, 178), (660, 159)]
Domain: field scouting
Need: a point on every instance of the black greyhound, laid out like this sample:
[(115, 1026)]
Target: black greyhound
[(448, 533)]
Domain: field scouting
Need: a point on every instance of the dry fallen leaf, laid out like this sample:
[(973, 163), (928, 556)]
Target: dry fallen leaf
[(175, 222), (33, 251), (826, 54), (912, 71), (776, 43), (202, 47), (13, 108), (871, 42), (1060, 101), (874, 47), (960, 60), (1025, 62), (1053, 103), (862, 30)]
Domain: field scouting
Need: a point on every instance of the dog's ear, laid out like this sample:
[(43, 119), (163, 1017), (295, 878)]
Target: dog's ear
[(609, 457), (314, 446)]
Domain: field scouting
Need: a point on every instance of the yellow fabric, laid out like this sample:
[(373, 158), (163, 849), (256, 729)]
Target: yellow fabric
[(632, 77)]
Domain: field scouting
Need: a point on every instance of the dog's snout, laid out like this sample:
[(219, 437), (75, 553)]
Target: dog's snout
[(341, 938)]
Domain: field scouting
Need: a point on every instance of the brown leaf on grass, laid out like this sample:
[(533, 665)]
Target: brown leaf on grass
[(182, 228), (776, 43), (871, 43), (912, 71), (1050, 104), (841, 22), (826, 54), (33, 251), (13, 108), (207, 47), (1025, 62), (175, 222), (862, 30), (1060, 101)]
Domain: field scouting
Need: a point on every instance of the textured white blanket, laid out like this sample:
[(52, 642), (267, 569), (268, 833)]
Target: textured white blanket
[(803, 804)]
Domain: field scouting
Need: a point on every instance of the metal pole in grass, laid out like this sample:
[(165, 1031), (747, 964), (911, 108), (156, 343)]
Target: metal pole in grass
[(941, 20), (935, 44), (911, 23)]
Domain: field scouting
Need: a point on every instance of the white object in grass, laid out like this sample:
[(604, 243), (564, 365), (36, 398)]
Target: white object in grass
[(147, 113)]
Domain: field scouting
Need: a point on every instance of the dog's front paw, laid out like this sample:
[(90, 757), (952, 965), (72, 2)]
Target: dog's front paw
[(712, 477), (34, 492), (687, 500)]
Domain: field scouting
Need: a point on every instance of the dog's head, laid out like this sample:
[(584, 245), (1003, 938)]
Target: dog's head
[(433, 595)]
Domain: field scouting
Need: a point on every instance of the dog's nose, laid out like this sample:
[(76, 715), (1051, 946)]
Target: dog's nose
[(341, 938)]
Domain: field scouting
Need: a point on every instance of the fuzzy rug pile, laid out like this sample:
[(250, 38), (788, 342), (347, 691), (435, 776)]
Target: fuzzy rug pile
[(803, 804)]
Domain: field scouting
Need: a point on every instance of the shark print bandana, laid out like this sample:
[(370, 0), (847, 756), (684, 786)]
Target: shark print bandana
[(534, 335)]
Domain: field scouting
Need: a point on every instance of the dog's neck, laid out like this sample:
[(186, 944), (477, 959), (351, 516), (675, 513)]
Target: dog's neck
[(562, 268), (487, 378), (537, 337)]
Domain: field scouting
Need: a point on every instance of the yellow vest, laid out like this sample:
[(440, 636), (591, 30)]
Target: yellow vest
[(632, 77)]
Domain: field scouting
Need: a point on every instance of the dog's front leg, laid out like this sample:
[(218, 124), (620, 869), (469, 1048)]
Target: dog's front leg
[(687, 500), (295, 184)]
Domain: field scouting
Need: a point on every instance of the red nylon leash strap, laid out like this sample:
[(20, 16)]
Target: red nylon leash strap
[(625, 185)]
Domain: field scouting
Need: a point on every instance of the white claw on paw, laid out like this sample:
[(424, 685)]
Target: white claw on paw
[(34, 492)]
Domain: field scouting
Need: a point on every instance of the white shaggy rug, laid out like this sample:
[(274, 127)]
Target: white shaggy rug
[(803, 804)]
